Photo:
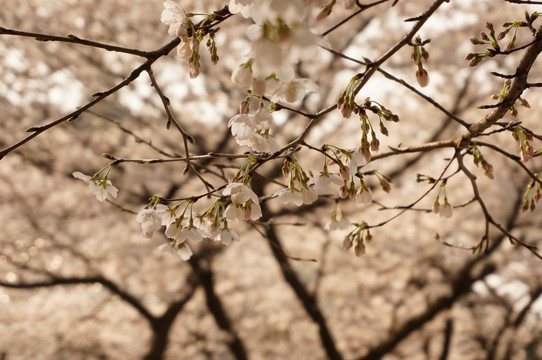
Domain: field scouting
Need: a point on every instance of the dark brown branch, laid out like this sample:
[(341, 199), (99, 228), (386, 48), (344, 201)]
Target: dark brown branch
[(111, 286), (519, 84), (308, 301), (75, 40), (214, 304)]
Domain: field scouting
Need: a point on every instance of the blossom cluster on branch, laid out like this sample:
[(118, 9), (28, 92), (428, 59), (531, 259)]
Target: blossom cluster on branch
[(281, 37)]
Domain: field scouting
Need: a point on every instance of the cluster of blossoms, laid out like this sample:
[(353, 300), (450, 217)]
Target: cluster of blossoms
[(252, 130), (299, 191), (181, 26), (280, 39), (183, 227)]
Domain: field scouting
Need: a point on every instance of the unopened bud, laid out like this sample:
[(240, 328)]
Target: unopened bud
[(423, 77)]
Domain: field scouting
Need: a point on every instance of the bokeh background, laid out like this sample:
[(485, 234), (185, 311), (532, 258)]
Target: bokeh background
[(287, 290)]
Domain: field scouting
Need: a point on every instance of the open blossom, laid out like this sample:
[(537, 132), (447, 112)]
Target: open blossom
[(181, 234), (182, 250), (150, 221), (260, 143), (338, 224), (322, 181), (98, 187), (263, 120), (365, 197), (356, 159), (242, 126), (245, 203), (240, 6), (242, 75), (240, 193), (225, 236), (249, 211), (289, 195), (168, 215), (294, 90), (174, 16), (309, 195), (446, 210)]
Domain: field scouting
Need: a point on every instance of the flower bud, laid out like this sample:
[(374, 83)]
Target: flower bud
[(423, 77)]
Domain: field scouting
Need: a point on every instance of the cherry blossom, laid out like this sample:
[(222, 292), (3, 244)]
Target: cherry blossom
[(446, 210), (364, 197), (309, 195), (242, 75), (289, 195), (340, 224), (294, 90), (98, 187), (168, 215), (174, 16), (150, 221), (225, 236), (323, 180), (183, 250), (240, 193)]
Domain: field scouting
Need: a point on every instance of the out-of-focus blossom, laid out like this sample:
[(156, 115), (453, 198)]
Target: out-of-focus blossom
[(340, 224), (183, 250)]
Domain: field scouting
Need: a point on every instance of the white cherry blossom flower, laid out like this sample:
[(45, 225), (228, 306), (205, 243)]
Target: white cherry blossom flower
[(253, 211), (174, 16), (225, 236), (289, 195), (242, 126), (263, 119), (188, 233), (446, 210), (150, 221), (98, 187), (168, 215), (309, 195), (322, 181), (364, 197), (234, 212), (341, 224), (184, 251), (259, 143), (357, 158), (240, 6), (240, 193), (294, 90), (173, 229), (242, 75)]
